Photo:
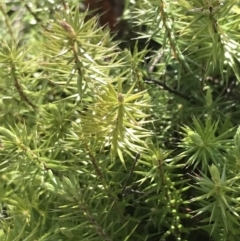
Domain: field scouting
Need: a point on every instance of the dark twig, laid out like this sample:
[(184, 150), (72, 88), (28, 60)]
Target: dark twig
[(94, 162), (22, 94), (160, 83), (65, 6), (165, 87), (130, 174), (37, 19), (7, 20)]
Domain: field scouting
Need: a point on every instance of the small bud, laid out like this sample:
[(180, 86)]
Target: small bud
[(9, 135), (208, 97), (215, 174), (68, 29), (120, 98), (195, 138), (50, 174)]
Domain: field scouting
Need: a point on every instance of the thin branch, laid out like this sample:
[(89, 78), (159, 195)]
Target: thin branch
[(155, 62), (130, 174), (158, 82), (37, 19), (7, 21), (165, 87), (65, 6), (107, 188), (22, 94), (94, 162)]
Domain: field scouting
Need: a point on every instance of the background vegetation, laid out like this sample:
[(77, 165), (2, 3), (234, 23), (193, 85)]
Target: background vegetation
[(129, 136)]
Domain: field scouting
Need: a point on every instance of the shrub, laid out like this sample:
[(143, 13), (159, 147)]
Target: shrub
[(128, 135)]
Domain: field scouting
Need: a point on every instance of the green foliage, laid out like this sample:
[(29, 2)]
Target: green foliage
[(204, 145), (126, 137)]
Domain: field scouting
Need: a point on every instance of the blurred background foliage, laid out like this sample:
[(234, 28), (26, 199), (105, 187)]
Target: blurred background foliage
[(119, 120)]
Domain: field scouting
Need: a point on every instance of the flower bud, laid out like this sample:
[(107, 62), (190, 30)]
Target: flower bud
[(120, 98), (196, 138), (215, 174), (9, 135), (68, 29)]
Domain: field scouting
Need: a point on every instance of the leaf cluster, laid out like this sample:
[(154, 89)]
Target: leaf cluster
[(107, 139)]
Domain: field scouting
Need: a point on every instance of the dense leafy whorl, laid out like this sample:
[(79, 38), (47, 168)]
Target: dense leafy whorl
[(99, 142)]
